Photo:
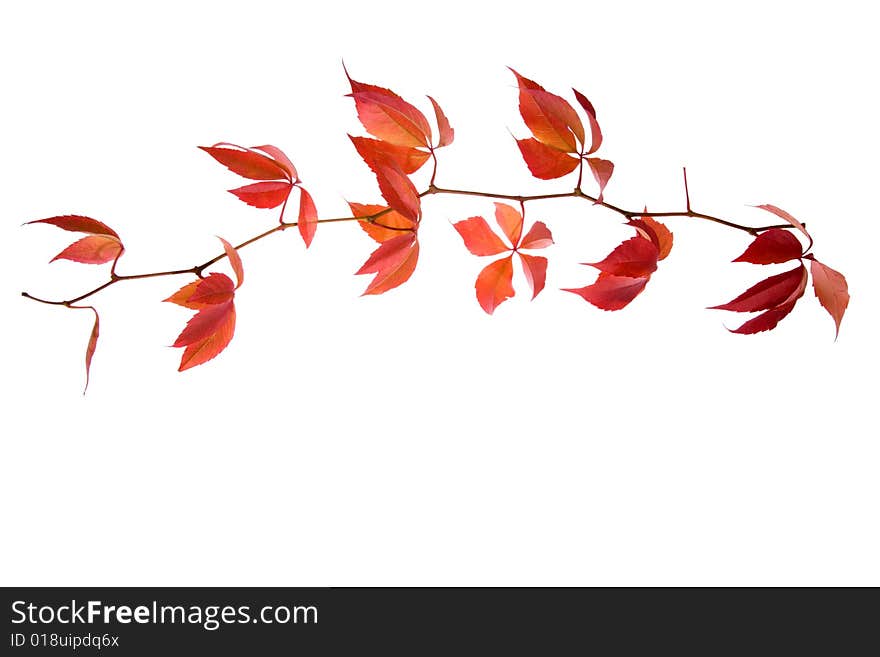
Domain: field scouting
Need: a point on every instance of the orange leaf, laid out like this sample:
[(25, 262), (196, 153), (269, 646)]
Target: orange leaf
[(447, 134), (283, 161), (550, 118), (602, 170), (211, 290), (387, 116), (831, 290), (479, 238), (234, 261), (611, 292), (782, 214), (92, 250), (409, 159), (510, 221), (545, 162), (397, 190), (535, 269), (206, 334), (386, 227), (494, 285), (308, 217), (538, 237), (655, 231), (634, 258), (246, 162), (393, 263), (268, 194)]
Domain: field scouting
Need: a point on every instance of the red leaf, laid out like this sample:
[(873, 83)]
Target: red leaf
[(479, 238), (510, 221), (634, 258), (283, 161), (308, 217), (494, 284), (655, 231), (773, 246), (769, 293), (206, 334), (538, 237), (409, 159), (387, 116), (782, 214), (90, 348), (269, 194), (447, 134), (234, 261), (595, 131), (550, 118), (397, 190), (78, 224), (393, 263), (611, 292), (831, 290), (535, 269), (246, 162), (386, 227), (766, 321), (211, 290), (92, 250), (602, 170), (545, 162)]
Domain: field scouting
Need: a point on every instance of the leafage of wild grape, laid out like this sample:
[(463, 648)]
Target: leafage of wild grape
[(395, 259), (278, 177), (100, 245), (210, 330), (494, 283), (625, 272)]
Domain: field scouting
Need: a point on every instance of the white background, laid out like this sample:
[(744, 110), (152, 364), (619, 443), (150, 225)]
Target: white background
[(410, 438)]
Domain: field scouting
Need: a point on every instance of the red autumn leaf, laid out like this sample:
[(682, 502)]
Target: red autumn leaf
[(447, 134), (393, 263), (206, 334), (479, 238), (92, 345), (769, 293), (92, 250), (269, 194), (634, 258), (595, 131), (388, 226), (283, 161), (234, 261), (545, 162), (397, 190), (494, 284), (831, 290), (766, 321), (246, 162), (211, 290), (655, 231), (409, 159), (611, 292), (772, 246), (307, 223), (550, 118), (538, 237), (535, 270), (387, 116), (78, 224), (602, 170)]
